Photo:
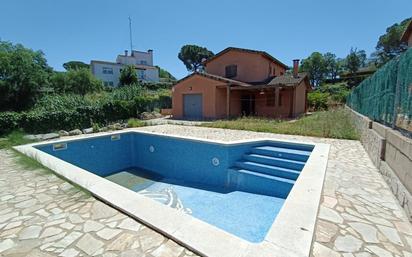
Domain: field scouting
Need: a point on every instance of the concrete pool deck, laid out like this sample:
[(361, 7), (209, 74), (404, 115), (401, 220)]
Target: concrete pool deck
[(359, 216)]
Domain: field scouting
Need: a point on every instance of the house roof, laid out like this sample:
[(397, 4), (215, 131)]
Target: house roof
[(215, 77), (288, 80), (407, 32), (270, 57)]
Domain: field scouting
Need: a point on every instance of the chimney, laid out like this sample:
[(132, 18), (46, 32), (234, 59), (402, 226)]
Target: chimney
[(125, 52), (295, 68)]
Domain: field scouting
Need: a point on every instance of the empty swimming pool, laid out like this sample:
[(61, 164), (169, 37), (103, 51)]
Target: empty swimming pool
[(239, 188)]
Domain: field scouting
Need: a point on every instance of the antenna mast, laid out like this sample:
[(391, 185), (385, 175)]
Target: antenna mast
[(130, 32)]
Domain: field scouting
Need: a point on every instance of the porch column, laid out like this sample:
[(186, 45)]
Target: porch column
[(228, 101)]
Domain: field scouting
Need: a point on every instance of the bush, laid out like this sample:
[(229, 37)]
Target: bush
[(55, 112), (318, 100), (9, 121), (337, 92)]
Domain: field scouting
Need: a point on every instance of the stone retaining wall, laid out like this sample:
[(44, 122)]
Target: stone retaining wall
[(391, 152)]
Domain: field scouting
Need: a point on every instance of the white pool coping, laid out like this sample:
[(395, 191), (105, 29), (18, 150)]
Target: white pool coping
[(291, 234)]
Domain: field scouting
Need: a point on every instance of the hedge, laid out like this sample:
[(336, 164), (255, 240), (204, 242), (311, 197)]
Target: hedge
[(41, 120)]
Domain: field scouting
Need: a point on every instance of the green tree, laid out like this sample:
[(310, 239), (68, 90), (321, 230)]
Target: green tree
[(128, 76), (389, 44), (75, 65), (23, 72), (333, 65), (316, 67), (193, 57), (355, 60), (77, 81), (58, 81), (164, 74)]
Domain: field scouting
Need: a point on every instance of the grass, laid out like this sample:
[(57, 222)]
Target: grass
[(334, 123), (14, 138), (135, 123)]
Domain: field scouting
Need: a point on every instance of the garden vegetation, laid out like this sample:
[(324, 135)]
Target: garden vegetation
[(37, 99), (334, 123)]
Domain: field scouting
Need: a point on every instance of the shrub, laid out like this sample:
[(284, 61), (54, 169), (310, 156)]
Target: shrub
[(9, 121), (338, 92), (55, 112), (134, 123), (318, 100)]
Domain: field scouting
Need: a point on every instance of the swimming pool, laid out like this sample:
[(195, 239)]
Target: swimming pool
[(239, 187)]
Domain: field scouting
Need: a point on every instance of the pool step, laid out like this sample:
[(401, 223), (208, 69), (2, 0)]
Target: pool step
[(258, 183), (269, 169), (280, 152), (275, 161)]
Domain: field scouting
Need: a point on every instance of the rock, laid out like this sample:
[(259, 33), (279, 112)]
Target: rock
[(391, 234), (347, 243), (91, 225), (103, 129), (123, 242), (63, 133), (49, 136), (100, 211), (88, 130), (50, 232), (150, 239), (30, 232), (115, 126), (69, 253), (147, 116), (67, 240), (157, 115), (330, 215), (89, 244), (171, 249), (320, 250), (75, 132), (378, 251), (108, 233), (129, 224), (32, 137), (368, 232), (6, 244)]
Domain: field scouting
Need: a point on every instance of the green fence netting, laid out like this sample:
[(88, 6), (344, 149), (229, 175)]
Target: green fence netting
[(386, 96)]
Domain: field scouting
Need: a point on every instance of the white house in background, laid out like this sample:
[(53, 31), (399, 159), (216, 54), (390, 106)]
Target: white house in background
[(109, 72)]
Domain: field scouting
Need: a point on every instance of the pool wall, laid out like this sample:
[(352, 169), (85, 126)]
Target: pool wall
[(290, 235), (187, 160)]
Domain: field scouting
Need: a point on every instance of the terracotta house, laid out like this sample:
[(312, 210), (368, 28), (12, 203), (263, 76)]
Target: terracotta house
[(241, 82), (407, 35)]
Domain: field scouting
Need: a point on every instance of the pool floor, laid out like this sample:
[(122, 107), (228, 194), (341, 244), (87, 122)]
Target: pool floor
[(246, 215)]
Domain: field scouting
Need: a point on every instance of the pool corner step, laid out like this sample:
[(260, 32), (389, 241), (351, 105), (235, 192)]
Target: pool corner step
[(254, 182), (280, 152), (268, 169), (275, 161)]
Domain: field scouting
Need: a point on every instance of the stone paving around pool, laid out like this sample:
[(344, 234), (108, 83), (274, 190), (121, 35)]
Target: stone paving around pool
[(42, 215)]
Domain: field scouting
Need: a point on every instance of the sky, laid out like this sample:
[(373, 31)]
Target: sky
[(85, 30)]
